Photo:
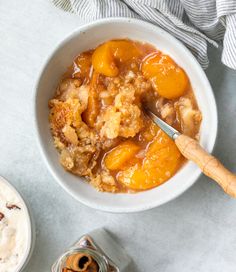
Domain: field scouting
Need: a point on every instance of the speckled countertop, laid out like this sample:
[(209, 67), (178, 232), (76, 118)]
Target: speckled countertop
[(195, 232)]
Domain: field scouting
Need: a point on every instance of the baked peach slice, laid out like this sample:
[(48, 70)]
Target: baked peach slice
[(168, 79), (104, 62), (124, 50), (106, 57), (161, 162), (121, 154)]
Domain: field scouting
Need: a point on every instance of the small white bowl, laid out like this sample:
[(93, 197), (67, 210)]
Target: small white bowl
[(87, 37), (30, 229)]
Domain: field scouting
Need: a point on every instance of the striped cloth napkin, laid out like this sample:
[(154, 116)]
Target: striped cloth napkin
[(195, 22)]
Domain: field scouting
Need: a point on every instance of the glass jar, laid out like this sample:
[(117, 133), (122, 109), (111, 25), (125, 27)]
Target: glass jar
[(100, 246)]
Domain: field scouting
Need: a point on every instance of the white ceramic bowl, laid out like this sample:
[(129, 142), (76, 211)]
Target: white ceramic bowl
[(30, 228), (87, 37)]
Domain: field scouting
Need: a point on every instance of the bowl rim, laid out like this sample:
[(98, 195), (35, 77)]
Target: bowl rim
[(214, 131), (30, 225)]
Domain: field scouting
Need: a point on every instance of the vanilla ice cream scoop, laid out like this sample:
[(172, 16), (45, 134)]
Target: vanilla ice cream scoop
[(14, 229)]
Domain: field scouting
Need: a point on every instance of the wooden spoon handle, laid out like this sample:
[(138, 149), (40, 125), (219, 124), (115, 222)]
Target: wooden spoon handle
[(209, 165)]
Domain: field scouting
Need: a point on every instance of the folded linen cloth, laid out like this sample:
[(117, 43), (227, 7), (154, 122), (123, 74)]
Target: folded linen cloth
[(195, 22)]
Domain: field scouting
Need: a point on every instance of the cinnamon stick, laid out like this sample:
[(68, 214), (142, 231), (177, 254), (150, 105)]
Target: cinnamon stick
[(78, 262), (93, 267)]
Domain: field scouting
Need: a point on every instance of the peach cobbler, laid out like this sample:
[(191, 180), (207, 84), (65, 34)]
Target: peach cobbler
[(97, 121)]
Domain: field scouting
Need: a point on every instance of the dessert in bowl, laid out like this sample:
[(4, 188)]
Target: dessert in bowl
[(98, 123), (16, 233), (95, 83)]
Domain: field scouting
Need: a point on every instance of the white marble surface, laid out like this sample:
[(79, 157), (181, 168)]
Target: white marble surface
[(195, 232)]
